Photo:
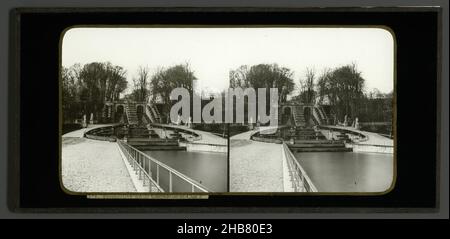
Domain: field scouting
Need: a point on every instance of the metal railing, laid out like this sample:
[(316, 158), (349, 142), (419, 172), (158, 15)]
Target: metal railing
[(160, 177), (299, 178)]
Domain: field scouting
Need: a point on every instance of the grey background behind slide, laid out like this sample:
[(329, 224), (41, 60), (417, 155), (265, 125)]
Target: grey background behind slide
[(6, 6)]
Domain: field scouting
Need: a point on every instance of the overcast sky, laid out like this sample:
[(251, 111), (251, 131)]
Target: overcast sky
[(213, 52)]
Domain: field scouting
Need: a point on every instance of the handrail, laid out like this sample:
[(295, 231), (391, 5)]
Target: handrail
[(142, 170), (301, 181), (140, 161)]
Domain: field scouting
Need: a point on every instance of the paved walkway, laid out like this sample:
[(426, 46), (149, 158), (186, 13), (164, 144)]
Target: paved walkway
[(79, 133), (255, 166), (93, 166)]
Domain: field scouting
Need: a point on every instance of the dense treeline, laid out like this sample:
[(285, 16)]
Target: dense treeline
[(264, 76), (343, 88), (86, 88)]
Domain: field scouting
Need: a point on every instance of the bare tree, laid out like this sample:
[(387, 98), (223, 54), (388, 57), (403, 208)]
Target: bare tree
[(140, 91), (307, 92)]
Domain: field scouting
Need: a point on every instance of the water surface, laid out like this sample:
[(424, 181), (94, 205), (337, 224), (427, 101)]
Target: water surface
[(208, 168), (348, 171)]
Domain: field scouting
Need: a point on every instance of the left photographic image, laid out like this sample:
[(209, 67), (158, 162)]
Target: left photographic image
[(124, 126)]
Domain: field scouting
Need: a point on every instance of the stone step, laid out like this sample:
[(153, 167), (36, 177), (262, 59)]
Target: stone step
[(152, 144), (160, 148), (323, 141), (323, 145), (309, 138), (330, 149), (305, 133)]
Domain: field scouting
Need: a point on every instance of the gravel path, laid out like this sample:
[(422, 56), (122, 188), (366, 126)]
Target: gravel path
[(79, 133), (93, 166), (255, 166)]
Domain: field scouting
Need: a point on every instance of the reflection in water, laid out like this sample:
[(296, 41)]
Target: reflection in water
[(348, 171), (206, 167)]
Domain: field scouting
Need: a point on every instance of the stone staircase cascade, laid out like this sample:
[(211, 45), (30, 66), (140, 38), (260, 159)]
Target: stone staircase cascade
[(328, 116), (152, 144), (152, 113), (144, 119), (309, 140), (299, 118), (308, 134), (323, 115), (342, 137), (130, 109), (142, 138), (156, 113), (149, 115), (317, 117)]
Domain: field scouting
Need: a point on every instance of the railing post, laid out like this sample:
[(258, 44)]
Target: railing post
[(143, 163), (136, 159), (140, 172), (139, 158), (150, 168), (157, 174), (132, 158), (170, 181), (150, 185)]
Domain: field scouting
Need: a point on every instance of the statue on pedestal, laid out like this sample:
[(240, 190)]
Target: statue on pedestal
[(178, 120), (357, 123), (84, 121), (189, 122), (91, 121)]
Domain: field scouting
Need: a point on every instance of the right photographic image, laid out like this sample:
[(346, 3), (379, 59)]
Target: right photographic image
[(313, 110)]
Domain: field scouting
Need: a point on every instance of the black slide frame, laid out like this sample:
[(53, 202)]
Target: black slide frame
[(34, 102)]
